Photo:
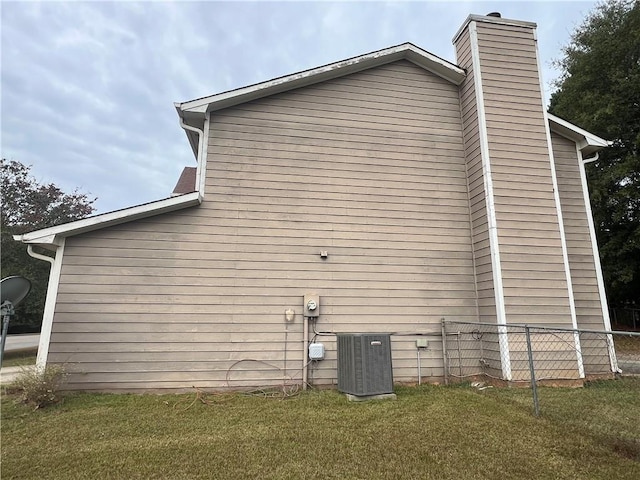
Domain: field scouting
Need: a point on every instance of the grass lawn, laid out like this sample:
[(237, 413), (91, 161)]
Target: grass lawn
[(429, 432), (19, 359), (627, 344)]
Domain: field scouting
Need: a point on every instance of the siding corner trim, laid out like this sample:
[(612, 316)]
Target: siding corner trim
[(491, 210), (596, 260)]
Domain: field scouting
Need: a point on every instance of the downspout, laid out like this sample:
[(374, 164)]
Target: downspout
[(305, 349), (200, 137), (49, 306), (39, 256), (591, 159)]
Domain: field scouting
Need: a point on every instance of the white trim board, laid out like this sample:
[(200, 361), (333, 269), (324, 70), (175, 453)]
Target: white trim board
[(596, 260), (492, 223)]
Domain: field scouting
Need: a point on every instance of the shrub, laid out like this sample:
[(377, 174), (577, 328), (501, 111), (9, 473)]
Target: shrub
[(39, 387)]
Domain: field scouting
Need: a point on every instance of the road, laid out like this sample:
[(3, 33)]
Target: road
[(15, 343), (629, 365)]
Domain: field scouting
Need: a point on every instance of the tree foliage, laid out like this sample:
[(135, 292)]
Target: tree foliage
[(26, 206), (599, 90)]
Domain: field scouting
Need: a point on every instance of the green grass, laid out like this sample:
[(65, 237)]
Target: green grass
[(429, 432)]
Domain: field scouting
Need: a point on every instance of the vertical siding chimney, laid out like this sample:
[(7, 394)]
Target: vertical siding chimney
[(520, 252)]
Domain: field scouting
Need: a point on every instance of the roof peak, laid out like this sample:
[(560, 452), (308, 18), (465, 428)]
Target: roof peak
[(404, 51)]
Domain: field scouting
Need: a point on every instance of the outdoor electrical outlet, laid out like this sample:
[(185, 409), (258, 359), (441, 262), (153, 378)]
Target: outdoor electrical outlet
[(422, 343)]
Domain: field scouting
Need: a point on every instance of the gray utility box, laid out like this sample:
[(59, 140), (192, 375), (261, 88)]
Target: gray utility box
[(364, 363)]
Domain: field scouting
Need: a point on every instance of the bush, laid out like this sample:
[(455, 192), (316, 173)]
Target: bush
[(39, 387)]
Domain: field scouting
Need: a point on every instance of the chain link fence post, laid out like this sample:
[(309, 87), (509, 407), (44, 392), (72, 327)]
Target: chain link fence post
[(532, 372), (445, 363)]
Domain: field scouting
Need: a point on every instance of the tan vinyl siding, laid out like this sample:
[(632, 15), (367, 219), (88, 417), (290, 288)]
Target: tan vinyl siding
[(526, 214), (369, 167), (581, 260), (476, 187)]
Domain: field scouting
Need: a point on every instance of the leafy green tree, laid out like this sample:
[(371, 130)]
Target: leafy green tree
[(599, 90), (26, 206)]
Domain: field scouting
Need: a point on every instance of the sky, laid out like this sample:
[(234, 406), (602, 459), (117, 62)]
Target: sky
[(88, 88)]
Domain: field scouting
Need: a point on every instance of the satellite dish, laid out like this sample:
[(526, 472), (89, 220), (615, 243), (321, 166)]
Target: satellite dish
[(12, 292), (14, 289)]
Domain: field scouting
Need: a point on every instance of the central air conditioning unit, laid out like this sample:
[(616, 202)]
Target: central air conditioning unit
[(364, 364)]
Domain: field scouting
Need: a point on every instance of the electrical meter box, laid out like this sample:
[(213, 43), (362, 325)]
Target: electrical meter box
[(311, 305)]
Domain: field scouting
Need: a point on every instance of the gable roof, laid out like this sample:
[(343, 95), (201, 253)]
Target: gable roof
[(194, 111), (588, 143), (405, 51)]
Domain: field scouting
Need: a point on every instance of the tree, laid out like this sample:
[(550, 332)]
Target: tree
[(599, 90), (26, 206)]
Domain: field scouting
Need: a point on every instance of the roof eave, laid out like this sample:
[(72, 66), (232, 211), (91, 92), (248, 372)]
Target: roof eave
[(53, 235), (197, 108), (588, 143)]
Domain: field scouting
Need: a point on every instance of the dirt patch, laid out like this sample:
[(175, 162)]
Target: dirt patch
[(625, 447)]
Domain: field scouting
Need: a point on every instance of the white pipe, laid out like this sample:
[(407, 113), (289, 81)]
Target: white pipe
[(200, 160), (200, 137), (419, 372), (50, 302), (305, 342), (591, 159), (39, 256)]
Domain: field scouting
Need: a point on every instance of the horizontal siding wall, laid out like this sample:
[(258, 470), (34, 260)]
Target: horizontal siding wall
[(476, 186), (534, 276), (581, 260), (369, 167)]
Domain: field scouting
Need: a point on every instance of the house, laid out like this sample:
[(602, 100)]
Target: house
[(396, 186)]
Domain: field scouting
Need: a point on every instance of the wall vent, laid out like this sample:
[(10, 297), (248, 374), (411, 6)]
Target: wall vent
[(364, 364)]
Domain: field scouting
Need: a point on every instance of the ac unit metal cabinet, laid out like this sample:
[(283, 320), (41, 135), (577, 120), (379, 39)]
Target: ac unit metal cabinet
[(364, 364)]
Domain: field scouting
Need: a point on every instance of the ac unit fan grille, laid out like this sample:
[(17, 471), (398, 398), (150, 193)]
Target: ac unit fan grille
[(364, 364)]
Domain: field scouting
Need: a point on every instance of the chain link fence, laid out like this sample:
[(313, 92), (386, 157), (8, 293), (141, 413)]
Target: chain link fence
[(626, 317), (539, 357)]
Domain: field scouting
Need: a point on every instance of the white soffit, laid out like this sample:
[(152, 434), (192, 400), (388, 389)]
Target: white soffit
[(406, 51)]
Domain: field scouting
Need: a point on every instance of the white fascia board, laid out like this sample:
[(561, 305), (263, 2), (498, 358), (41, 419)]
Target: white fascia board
[(406, 51), (588, 143), (53, 235)]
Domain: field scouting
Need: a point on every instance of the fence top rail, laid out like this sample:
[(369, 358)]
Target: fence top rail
[(555, 329)]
